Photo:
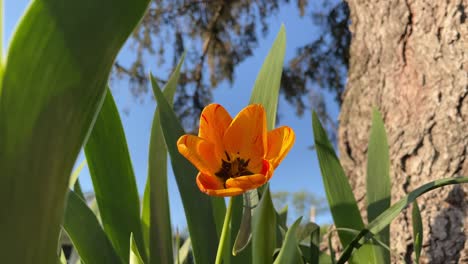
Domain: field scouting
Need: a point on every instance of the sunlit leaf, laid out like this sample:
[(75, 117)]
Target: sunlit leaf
[(86, 233), (184, 250), (135, 257), (113, 179), (267, 84), (290, 252), (384, 219), (54, 80), (157, 197), (340, 197), (417, 231), (265, 92), (378, 183), (76, 173), (198, 206), (264, 230)]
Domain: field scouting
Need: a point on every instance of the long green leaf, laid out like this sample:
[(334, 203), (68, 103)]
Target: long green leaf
[(198, 206), (340, 197), (53, 83), (113, 180), (267, 84), (264, 230), (384, 219), (76, 173), (135, 257), (184, 251), (378, 181), (290, 252), (265, 92), (242, 220), (86, 233), (417, 231), (160, 235), (241, 231), (323, 257)]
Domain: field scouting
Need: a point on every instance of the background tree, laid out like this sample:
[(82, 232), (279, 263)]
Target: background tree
[(302, 203), (409, 58), (218, 35)]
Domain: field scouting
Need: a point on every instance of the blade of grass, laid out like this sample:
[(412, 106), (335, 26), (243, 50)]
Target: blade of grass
[(135, 257), (340, 197), (378, 181), (53, 83), (76, 173), (384, 219), (265, 92), (267, 84), (417, 231), (197, 206), (264, 230), (184, 251), (315, 244), (113, 180), (290, 252), (77, 189), (158, 218), (241, 231), (84, 230), (62, 259)]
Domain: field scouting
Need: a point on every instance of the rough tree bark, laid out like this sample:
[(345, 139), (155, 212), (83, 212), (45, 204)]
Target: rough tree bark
[(410, 58)]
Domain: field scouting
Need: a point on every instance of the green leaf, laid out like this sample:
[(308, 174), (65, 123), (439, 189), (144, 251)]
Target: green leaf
[(113, 179), (283, 216), (184, 251), (378, 180), (159, 215), (245, 204), (290, 252), (135, 257), (315, 244), (265, 92), (324, 258), (384, 219), (54, 80), (78, 190), (62, 259), (264, 230), (417, 231), (86, 234), (75, 174), (198, 206), (267, 84), (340, 197), (241, 230)]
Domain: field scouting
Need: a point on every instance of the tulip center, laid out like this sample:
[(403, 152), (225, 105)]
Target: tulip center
[(233, 167)]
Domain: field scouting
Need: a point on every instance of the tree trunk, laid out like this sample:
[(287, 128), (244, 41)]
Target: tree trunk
[(410, 58)]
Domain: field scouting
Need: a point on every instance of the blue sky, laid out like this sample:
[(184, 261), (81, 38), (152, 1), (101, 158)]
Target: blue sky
[(299, 170)]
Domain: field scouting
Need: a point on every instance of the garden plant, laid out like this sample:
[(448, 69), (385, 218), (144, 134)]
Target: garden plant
[(54, 101)]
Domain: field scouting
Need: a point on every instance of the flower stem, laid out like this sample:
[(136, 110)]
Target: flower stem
[(223, 238)]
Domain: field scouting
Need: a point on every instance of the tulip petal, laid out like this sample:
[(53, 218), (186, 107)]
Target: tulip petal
[(280, 141), (207, 182), (225, 192), (248, 182), (212, 186), (246, 136), (200, 152), (214, 121)]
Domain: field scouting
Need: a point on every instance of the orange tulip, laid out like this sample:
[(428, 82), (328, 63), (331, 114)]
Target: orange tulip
[(235, 155)]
